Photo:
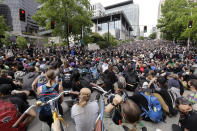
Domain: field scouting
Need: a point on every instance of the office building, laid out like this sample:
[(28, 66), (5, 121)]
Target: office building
[(11, 12), (159, 16), (115, 23), (131, 11), (98, 9)]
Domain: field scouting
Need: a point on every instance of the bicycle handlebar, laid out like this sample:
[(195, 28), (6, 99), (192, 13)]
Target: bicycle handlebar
[(97, 87), (38, 104)]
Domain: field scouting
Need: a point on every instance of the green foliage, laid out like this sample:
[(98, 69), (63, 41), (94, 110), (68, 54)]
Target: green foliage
[(112, 41), (3, 29), (21, 42), (153, 35), (141, 38), (103, 44), (102, 41), (6, 41), (96, 37), (88, 39), (3, 26), (175, 17), (70, 16)]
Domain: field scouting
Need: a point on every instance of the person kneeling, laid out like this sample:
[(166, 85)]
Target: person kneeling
[(131, 114)]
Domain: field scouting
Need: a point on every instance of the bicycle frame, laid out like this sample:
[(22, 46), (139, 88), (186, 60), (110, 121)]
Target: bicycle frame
[(56, 117), (104, 93)]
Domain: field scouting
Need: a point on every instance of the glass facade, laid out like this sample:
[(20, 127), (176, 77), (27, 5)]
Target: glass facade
[(30, 8), (114, 28), (132, 13), (116, 22)]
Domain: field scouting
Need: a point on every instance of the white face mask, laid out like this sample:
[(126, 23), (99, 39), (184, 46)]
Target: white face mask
[(187, 73)]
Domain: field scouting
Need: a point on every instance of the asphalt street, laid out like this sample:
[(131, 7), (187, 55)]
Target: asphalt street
[(37, 125)]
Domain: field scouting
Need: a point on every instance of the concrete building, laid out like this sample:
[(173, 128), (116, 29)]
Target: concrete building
[(116, 23), (6, 13), (13, 19), (159, 16), (131, 11), (98, 9), (192, 0)]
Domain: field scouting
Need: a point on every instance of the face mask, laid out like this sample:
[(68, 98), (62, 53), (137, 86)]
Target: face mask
[(187, 73)]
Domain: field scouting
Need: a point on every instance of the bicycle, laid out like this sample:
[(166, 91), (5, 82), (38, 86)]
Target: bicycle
[(105, 94), (57, 118), (99, 121)]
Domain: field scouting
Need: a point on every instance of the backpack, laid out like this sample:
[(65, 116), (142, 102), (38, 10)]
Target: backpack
[(155, 109), (42, 80), (85, 79), (8, 116), (28, 80), (95, 73), (172, 105), (66, 81), (131, 77), (47, 94)]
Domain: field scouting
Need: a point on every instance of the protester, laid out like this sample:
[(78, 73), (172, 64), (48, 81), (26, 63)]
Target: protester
[(12, 106), (130, 112), (163, 68), (46, 92), (188, 116), (85, 112)]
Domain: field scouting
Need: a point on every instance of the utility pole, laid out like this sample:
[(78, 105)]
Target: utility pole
[(189, 26), (108, 33)]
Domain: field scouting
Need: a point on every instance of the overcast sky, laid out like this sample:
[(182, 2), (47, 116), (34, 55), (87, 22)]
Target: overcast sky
[(148, 10)]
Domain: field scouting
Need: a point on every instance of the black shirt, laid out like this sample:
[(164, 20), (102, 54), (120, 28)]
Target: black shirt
[(5, 80), (189, 121), (139, 100)]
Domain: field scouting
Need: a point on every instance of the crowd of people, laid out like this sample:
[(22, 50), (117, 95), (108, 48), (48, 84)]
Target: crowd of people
[(158, 73)]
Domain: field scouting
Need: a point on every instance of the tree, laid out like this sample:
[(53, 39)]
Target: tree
[(175, 17), (87, 39), (71, 17), (112, 40), (21, 42), (153, 35), (141, 38), (6, 41), (3, 29), (96, 37)]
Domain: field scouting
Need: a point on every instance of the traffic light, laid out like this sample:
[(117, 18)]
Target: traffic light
[(145, 29), (190, 24), (22, 15), (52, 24)]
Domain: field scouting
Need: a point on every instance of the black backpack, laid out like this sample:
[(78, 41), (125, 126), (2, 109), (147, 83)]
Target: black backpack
[(132, 80), (127, 129), (66, 81)]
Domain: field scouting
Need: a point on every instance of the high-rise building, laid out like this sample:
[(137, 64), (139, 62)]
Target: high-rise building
[(116, 23), (20, 23), (97, 9), (192, 0), (159, 16), (6, 13), (131, 11)]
